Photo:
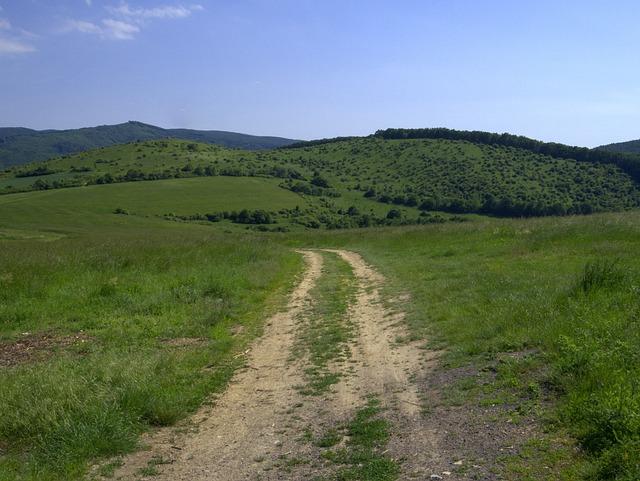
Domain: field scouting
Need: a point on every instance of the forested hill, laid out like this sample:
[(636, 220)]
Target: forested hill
[(624, 159), (20, 146), (630, 147)]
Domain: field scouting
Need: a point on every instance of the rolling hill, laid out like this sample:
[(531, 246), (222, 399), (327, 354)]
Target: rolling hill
[(19, 145), (376, 174), (632, 147)]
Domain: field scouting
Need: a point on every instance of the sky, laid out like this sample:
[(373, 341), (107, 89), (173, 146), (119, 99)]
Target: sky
[(565, 71)]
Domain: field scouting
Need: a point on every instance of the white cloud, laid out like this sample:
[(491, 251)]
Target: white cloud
[(163, 11), (11, 46), (109, 28), (12, 40), (82, 26), (88, 2), (126, 22), (120, 30)]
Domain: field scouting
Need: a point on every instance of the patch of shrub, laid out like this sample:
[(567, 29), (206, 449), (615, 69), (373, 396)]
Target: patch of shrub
[(42, 170)]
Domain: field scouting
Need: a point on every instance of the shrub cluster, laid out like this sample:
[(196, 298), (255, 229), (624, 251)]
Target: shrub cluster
[(35, 172), (245, 216)]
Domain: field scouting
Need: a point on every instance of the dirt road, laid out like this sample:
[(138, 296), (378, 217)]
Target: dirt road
[(260, 427)]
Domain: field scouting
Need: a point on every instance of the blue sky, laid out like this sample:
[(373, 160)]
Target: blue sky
[(563, 71)]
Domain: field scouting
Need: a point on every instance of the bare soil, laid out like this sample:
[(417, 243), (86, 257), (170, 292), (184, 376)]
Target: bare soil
[(36, 347)]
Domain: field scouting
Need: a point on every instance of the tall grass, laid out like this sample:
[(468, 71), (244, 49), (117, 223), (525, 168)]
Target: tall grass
[(598, 368), (600, 273)]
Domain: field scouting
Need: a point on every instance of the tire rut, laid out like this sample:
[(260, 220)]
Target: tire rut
[(389, 369)]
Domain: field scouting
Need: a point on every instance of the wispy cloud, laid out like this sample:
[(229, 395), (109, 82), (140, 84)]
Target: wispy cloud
[(12, 46), (81, 26), (14, 41), (120, 30), (125, 22), (108, 28), (164, 11)]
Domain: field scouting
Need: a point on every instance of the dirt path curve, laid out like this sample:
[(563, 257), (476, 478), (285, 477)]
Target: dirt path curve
[(257, 424)]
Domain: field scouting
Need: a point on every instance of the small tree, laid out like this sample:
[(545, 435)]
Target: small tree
[(320, 181), (394, 214)]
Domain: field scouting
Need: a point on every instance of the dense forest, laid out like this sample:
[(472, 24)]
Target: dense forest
[(630, 147)]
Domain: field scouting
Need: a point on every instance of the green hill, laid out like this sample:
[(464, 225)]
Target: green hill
[(632, 147), (20, 146), (453, 176)]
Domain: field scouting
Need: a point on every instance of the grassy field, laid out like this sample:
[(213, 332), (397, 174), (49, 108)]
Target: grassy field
[(135, 319), (94, 205)]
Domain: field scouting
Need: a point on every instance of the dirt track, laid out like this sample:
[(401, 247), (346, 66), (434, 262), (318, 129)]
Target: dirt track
[(258, 422)]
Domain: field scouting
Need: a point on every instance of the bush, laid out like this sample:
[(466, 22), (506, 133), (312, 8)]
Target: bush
[(394, 214), (41, 185), (320, 181), (42, 170)]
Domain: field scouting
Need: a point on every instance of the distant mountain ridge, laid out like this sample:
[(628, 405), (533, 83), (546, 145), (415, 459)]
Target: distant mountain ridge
[(20, 145), (631, 147)]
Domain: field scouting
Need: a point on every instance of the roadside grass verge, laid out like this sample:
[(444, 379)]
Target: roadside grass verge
[(162, 312), (324, 339), (551, 308)]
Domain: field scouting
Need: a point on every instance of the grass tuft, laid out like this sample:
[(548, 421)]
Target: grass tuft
[(600, 274)]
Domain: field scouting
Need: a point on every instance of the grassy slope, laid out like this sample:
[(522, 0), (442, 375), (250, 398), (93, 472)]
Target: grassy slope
[(94, 204), (450, 175)]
